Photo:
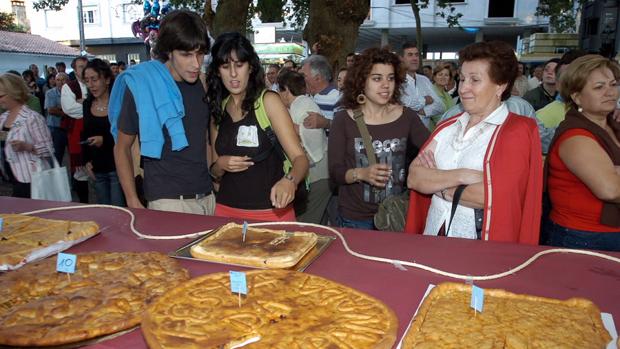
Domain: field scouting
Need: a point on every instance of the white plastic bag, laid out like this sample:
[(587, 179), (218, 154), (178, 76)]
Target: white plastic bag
[(50, 184)]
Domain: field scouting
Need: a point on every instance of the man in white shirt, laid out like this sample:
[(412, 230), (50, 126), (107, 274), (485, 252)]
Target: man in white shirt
[(418, 91), (72, 95), (319, 84), (310, 208), (72, 104)]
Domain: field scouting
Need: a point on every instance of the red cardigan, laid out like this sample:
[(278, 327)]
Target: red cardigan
[(512, 173)]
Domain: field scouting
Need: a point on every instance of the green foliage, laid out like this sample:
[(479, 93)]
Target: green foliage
[(7, 23), (270, 11), (297, 13), (54, 5), (561, 13)]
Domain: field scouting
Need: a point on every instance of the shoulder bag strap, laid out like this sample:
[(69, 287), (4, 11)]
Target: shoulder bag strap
[(361, 126), (455, 202)]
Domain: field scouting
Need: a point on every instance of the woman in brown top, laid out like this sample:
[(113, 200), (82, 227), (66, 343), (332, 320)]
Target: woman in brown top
[(373, 86)]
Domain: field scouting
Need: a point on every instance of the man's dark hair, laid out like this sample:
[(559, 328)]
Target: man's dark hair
[(568, 58), (181, 30), (83, 58), (60, 64), (350, 54), (408, 44), (293, 62), (292, 81), (552, 60), (121, 64), (14, 72), (273, 65), (113, 64)]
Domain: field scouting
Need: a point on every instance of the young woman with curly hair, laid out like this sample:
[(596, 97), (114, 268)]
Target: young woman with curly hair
[(372, 86)]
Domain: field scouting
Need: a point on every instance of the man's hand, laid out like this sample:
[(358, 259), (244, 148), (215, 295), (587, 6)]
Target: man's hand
[(428, 100), (315, 120)]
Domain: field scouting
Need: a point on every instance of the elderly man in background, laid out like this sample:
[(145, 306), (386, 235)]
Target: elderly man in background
[(319, 84), (54, 113)]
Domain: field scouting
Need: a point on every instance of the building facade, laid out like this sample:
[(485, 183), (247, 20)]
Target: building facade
[(107, 27), (599, 27), (392, 22)]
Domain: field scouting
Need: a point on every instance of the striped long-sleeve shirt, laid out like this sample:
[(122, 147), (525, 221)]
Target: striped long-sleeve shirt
[(29, 126)]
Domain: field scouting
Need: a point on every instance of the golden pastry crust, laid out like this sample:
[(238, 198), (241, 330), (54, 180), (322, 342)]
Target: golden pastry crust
[(263, 248), (287, 309), (21, 235), (108, 293), (508, 320)]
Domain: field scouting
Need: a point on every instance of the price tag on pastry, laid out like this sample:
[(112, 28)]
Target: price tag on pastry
[(66, 263), (244, 230), (1, 224), (238, 283), (477, 298)]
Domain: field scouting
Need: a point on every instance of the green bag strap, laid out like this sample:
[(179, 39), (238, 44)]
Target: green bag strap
[(261, 113)]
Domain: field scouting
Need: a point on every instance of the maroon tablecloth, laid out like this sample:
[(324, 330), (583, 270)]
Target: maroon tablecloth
[(559, 275)]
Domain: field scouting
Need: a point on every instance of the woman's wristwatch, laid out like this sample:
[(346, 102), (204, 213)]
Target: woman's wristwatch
[(290, 177)]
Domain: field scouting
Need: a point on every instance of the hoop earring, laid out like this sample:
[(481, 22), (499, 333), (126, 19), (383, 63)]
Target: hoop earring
[(361, 98)]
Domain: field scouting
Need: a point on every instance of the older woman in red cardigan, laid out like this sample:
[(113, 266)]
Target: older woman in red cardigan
[(479, 176)]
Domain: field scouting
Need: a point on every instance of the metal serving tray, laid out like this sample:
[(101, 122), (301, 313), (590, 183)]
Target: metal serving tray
[(322, 243)]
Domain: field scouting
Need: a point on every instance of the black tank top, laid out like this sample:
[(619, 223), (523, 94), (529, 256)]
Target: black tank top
[(251, 188)]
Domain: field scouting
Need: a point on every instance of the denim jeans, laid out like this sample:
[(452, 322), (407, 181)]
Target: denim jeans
[(59, 139), (108, 189), (570, 238), (355, 224)]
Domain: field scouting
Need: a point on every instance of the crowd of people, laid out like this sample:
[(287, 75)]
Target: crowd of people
[(483, 151)]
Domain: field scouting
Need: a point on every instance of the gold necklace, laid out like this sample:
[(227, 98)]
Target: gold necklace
[(100, 107)]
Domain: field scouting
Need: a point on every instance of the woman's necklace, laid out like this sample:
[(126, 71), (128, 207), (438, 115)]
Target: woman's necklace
[(459, 143), (100, 106)]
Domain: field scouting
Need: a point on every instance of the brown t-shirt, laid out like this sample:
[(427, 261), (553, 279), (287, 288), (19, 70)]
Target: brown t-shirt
[(395, 143)]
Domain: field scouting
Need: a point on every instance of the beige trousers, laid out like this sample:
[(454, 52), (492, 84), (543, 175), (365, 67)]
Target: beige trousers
[(202, 205)]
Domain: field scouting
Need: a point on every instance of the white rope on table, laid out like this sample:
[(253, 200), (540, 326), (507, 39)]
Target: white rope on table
[(345, 244)]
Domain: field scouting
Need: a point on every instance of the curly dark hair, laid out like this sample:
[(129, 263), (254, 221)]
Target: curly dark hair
[(357, 75), (503, 64), (224, 45), (103, 70)]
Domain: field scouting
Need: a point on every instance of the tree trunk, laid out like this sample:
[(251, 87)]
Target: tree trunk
[(418, 29), (230, 16), (334, 24)]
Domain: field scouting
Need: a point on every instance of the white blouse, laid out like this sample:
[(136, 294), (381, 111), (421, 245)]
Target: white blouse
[(453, 150)]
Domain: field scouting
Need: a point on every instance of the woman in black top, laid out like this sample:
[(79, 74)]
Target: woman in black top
[(253, 184), (98, 142)]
